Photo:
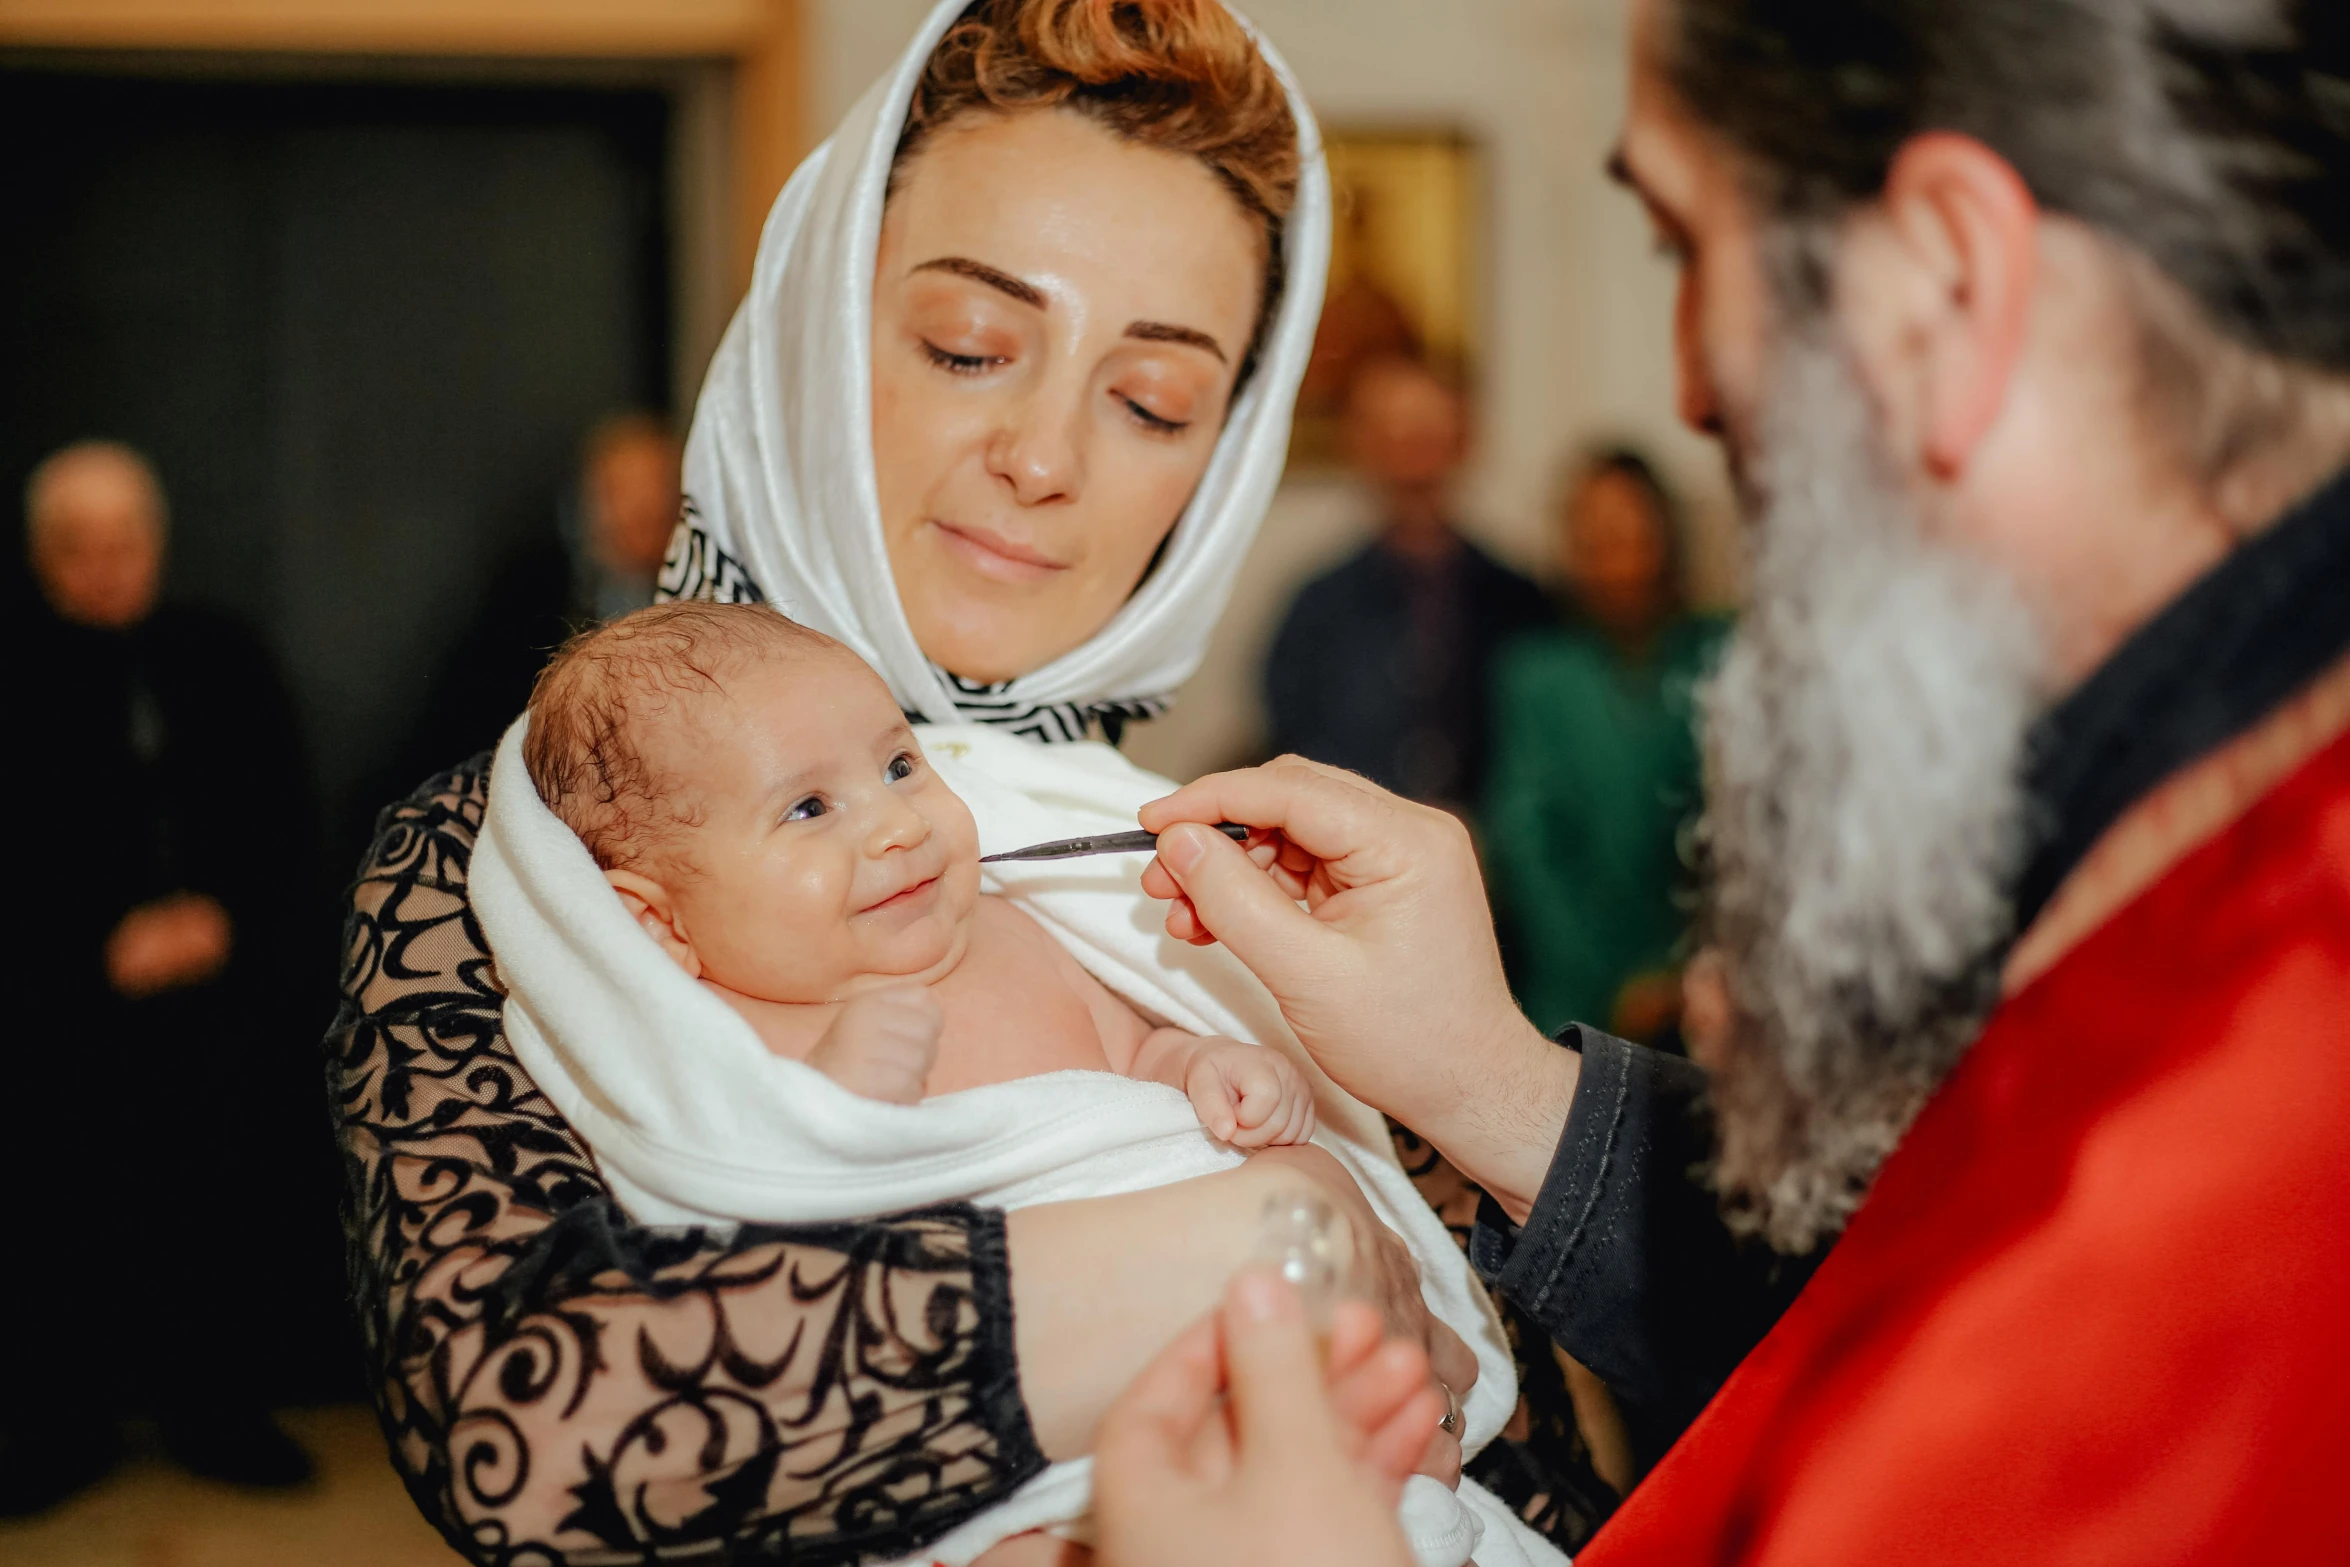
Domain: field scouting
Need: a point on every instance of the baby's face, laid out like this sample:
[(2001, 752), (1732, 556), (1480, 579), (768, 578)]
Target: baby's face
[(828, 859)]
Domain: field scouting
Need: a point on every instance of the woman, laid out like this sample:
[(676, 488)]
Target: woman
[(1595, 771), (1068, 342)]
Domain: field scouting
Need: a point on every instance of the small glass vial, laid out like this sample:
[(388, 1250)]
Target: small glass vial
[(1303, 1240)]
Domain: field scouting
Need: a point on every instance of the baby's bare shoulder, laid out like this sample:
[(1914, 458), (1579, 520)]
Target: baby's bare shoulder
[(1015, 926)]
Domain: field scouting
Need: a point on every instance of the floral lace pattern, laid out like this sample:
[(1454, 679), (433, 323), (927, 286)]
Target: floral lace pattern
[(561, 1387)]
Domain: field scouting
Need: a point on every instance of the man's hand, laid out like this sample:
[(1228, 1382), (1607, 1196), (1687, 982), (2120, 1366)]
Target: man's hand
[(1296, 1466), (1389, 973), (169, 944), (882, 1045), (1249, 1096)]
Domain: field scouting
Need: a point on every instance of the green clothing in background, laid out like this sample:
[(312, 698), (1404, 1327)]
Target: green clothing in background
[(1594, 779)]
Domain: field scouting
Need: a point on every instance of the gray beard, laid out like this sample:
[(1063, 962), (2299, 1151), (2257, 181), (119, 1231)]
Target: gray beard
[(1865, 816)]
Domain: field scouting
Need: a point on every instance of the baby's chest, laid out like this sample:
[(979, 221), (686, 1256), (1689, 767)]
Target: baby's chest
[(1016, 1017)]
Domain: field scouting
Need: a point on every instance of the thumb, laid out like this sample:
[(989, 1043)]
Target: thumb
[(1279, 1402), (1238, 903)]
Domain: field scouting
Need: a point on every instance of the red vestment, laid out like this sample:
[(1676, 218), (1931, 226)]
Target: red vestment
[(2097, 1308)]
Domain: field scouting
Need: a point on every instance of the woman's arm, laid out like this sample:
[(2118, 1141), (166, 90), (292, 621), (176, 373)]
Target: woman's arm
[(560, 1386)]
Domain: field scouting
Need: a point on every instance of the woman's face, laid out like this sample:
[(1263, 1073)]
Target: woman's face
[(1058, 320), (1616, 553)]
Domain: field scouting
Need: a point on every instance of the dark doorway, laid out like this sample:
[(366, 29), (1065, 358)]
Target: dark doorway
[(360, 328)]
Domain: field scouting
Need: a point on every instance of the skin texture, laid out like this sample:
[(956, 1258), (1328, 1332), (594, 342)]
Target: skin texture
[(97, 546), (824, 882), (1053, 359)]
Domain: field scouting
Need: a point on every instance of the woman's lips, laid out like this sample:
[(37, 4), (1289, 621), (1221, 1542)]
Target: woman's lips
[(921, 892), (992, 555)]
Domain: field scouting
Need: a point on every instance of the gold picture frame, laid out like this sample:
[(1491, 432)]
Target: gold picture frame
[(1406, 264)]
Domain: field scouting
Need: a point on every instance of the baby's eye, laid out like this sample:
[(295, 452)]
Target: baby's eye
[(806, 810), (901, 767)]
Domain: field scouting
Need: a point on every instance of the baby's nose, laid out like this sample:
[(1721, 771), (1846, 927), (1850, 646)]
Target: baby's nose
[(898, 826)]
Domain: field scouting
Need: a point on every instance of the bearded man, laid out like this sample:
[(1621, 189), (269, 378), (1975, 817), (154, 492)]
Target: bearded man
[(2026, 324)]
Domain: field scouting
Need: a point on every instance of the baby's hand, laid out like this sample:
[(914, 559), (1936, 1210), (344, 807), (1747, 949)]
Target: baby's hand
[(882, 1045), (1248, 1095)]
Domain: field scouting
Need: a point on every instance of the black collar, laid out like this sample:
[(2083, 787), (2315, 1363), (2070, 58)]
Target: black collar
[(2251, 632)]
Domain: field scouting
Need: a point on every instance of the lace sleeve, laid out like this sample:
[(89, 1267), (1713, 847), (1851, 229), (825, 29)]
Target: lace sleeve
[(561, 1387)]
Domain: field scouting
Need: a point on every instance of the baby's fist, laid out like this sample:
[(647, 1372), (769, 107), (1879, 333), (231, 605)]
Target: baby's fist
[(882, 1045), (1249, 1096)]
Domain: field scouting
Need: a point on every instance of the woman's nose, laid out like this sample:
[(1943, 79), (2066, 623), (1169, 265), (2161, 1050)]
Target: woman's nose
[(1040, 450)]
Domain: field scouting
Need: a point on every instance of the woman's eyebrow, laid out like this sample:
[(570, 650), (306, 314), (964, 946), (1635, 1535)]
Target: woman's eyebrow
[(980, 272), (1165, 332)]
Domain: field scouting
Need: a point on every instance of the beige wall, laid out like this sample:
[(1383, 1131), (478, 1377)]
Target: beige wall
[(1577, 313)]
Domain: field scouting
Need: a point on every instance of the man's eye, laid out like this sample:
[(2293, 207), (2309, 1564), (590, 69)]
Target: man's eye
[(901, 767), (806, 810)]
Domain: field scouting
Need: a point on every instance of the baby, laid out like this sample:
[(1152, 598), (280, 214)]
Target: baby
[(763, 810)]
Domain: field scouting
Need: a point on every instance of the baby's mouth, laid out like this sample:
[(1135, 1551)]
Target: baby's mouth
[(920, 892)]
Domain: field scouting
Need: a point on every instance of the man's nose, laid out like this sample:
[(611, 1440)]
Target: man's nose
[(1040, 451)]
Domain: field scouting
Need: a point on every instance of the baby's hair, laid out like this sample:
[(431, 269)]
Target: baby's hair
[(594, 703)]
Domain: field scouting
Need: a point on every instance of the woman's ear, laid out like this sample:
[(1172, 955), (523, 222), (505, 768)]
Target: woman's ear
[(650, 905)]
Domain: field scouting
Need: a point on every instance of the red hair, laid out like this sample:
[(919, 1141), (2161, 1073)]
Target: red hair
[(1180, 75)]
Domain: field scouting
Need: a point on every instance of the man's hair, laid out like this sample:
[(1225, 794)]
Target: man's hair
[(595, 703), (2213, 138), (2210, 141), (1183, 76), (43, 481)]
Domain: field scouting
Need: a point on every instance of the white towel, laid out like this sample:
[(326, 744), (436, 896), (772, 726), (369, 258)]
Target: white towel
[(693, 1120)]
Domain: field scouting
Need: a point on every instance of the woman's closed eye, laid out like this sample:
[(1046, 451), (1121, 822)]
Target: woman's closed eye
[(961, 364), (1157, 424)]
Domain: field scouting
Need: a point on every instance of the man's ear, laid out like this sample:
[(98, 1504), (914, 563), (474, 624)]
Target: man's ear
[(1965, 232), (651, 906)]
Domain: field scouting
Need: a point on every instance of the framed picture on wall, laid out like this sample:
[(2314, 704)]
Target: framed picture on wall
[(1406, 259)]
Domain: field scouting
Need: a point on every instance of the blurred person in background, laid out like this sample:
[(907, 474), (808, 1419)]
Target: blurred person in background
[(600, 560), (156, 992), (1381, 666), (1594, 777)]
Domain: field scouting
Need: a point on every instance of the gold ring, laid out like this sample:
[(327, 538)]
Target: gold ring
[(1450, 1425)]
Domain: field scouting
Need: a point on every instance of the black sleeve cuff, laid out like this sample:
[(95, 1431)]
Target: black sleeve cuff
[(1534, 1264)]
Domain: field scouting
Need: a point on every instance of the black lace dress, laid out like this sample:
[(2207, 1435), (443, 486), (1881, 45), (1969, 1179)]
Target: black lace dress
[(560, 1386)]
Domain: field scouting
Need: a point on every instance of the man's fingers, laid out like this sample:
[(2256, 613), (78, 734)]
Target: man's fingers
[(1276, 1378), (1234, 900), (1451, 1359), (1156, 1423), (1322, 810), (1412, 1442)]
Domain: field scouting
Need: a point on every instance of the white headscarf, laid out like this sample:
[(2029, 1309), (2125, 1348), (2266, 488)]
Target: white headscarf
[(781, 502)]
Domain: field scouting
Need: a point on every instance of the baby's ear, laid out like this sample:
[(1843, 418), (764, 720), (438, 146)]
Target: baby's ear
[(649, 904)]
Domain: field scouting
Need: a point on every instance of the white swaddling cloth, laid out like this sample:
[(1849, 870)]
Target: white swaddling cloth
[(693, 1120)]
